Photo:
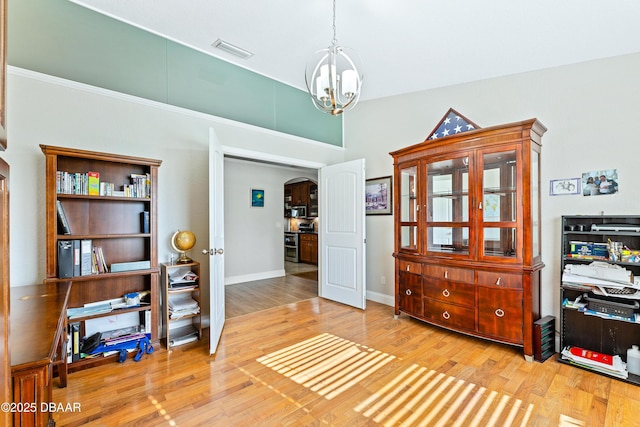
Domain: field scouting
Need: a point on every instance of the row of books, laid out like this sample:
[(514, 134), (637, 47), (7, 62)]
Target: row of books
[(88, 184), (80, 258)]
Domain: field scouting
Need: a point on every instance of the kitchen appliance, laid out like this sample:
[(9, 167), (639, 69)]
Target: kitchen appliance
[(305, 227), (299, 212), (291, 247)]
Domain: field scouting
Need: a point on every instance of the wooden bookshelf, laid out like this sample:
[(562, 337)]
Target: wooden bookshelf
[(111, 222)]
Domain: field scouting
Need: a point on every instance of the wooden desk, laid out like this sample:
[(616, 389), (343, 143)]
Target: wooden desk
[(37, 341)]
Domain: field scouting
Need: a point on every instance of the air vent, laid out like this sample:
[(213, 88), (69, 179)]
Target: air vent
[(234, 50)]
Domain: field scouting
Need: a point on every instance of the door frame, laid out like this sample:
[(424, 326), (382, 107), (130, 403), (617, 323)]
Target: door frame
[(260, 156)]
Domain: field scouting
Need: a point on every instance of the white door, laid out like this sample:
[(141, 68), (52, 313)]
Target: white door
[(342, 233), (216, 240)]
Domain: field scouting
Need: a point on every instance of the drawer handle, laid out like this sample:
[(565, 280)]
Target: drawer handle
[(446, 292), (446, 274), (408, 267), (500, 312), (408, 292), (446, 315), (498, 281)]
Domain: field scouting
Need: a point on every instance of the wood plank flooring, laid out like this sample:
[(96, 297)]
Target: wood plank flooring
[(319, 363), (249, 297)]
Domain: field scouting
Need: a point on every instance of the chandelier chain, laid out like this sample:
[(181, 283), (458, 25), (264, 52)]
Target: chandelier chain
[(335, 39)]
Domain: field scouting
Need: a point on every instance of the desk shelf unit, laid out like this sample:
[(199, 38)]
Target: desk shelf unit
[(604, 335), (111, 222)]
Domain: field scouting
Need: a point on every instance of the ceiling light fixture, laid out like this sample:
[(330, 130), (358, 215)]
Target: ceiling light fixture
[(232, 49), (332, 78)]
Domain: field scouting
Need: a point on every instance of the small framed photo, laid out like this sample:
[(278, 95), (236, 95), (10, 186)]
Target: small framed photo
[(600, 182), (257, 198), (564, 187), (378, 196)]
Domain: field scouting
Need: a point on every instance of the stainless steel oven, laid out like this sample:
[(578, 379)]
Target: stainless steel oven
[(291, 247)]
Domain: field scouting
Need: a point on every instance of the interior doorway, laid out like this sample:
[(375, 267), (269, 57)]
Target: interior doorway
[(254, 287)]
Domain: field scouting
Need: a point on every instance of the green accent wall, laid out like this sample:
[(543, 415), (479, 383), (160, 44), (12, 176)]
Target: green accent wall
[(62, 39)]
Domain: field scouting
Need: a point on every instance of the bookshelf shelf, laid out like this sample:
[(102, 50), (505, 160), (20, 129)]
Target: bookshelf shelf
[(122, 228), (111, 313)]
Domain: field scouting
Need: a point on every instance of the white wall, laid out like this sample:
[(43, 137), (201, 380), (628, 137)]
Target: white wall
[(590, 110), (46, 110), (254, 236)]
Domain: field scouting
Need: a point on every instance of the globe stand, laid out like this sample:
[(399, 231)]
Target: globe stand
[(184, 259)]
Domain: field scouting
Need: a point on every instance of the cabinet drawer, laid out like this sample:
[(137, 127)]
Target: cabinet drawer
[(410, 293), (412, 267), (503, 280), (500, 314), (451, 292), (453, 316), (449, 273), (308, 237)]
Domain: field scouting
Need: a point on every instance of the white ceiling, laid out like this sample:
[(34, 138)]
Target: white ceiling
[(404, 45)]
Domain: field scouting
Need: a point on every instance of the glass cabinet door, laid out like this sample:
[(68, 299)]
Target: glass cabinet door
[(408, 208), (499, 206), (447, 214)]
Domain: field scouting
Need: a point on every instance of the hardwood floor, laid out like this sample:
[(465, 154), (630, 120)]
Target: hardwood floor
[(300, 283), (320, 363)]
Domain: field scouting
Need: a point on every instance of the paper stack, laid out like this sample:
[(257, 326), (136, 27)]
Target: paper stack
[(607, 364), (182, 305)]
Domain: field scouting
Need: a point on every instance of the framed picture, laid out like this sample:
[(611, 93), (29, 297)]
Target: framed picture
[(257, 198), (3, 72), (600, 182), (379, 196), (563, 187)]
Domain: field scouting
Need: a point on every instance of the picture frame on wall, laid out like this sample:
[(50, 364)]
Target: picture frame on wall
[(379, 196), (565, 187), (257, 198)]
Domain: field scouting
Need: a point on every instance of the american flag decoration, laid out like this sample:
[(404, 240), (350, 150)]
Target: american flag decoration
[(451, 124)]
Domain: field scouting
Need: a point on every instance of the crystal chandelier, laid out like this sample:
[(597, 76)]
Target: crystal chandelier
[(332, 78)]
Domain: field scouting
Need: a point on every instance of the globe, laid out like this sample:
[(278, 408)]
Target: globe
[(182, 242)]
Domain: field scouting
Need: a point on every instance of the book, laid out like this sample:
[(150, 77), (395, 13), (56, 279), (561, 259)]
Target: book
[(99, 265), (128, 266), (86, 257), (144, 222), (63, 222), (93, 183), (75, 339)]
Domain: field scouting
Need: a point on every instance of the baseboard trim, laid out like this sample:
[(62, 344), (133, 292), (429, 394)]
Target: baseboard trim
[(232, 280), (381, 298)]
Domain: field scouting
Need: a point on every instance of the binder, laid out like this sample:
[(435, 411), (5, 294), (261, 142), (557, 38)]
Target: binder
[(65, 259), (76, 257), (75, 338), (85, 257)]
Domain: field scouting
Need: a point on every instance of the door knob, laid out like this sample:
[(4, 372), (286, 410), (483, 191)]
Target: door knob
[(213, 251)]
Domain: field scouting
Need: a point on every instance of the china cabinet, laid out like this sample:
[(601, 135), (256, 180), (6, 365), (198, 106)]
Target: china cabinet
[(467, 232)]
